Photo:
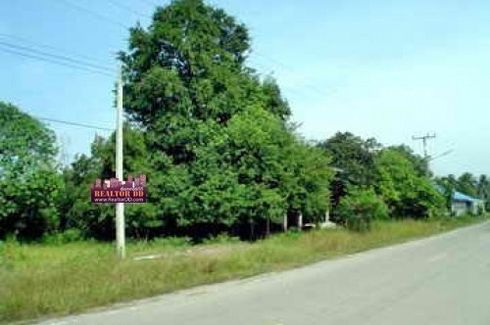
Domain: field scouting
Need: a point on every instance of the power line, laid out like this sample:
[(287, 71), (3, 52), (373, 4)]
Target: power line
[(287, 67), (94, 14), (89, 126), (57, 57), (131, 10), (46, 59), (128, 9), (50, 47), (445, 153)]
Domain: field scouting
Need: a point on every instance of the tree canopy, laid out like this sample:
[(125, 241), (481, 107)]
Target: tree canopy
[(404, 187), (218, 147), (29, 183)]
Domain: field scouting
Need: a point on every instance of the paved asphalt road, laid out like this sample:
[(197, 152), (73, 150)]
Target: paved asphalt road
[(440, 280)]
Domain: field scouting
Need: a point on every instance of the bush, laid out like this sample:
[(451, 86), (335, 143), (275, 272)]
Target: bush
[(360, 207), (68, 236)]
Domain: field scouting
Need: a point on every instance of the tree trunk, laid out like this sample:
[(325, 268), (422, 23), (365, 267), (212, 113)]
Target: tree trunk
[(252, 228), (285, 222), (300, 221)]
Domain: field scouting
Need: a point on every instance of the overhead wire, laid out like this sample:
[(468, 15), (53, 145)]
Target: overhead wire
[(128, 9), (27, 41), (133, 11), (85, 125), (57, 57), (53, 61), (94, 13), (294, 70)]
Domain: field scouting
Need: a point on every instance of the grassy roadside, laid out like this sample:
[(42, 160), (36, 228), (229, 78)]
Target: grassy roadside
[(39, 280)]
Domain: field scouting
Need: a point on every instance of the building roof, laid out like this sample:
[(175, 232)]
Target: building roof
[(458, 196)]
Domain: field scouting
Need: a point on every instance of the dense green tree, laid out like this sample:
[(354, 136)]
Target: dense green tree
[(467, 184), (30, 185), (483, 190), (447, 186), (406, 192), (360, 207), (483, 187), (281, 173), (420, 164), (353, 156), (353, 159), (213, 136)]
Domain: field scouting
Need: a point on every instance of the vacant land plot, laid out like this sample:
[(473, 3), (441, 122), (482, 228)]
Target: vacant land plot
[(41, 279)]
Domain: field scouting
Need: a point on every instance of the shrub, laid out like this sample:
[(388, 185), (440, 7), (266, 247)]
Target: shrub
[(68, 236), (360, 207)]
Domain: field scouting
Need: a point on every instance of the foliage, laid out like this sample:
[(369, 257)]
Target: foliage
[(447, 187), (406, 192), (97, 220), (419, 163), (467, 184), (353, 159), (60, 238), (360, 207), (483, 190), (30, 185), (212, 136)]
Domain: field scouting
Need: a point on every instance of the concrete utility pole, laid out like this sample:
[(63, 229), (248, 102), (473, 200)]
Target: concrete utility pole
[(300, 221), (120, 224), (424, 139)]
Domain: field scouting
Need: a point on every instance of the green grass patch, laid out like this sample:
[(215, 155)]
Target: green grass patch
[(58, 279)]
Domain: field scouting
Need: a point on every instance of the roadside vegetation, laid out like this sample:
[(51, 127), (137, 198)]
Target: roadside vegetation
[(57, 279)]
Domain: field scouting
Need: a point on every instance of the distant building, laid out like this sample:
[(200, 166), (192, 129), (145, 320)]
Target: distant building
[(462, 204)]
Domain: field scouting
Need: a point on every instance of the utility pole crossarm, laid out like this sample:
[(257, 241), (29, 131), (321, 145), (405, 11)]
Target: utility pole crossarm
[(424, 139)]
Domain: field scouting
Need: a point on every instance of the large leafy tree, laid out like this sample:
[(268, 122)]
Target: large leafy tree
[(273, 171), (30, 185), (186, 79), (216, 143), (189, 65), (468, 184), (483, 190), (353, 158), (447, 185), (407, 193), (420, 164)]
